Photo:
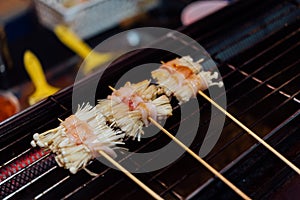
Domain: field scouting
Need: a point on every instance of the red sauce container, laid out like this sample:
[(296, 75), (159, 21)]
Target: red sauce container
[(9, 105)]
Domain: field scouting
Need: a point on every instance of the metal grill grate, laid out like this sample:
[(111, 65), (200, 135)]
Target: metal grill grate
[(262, 88)]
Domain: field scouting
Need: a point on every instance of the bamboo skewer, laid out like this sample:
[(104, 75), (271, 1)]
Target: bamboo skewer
[(255, 136), (131, 176), (204, 163)]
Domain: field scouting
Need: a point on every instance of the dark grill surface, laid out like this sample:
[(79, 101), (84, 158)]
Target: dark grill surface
[(258, 56)]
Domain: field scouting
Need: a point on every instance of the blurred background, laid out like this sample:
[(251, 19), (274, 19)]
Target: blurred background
[(30, 24)]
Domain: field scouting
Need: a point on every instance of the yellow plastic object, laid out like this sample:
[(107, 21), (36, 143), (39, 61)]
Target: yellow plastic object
[(36, 73), (71, 40)]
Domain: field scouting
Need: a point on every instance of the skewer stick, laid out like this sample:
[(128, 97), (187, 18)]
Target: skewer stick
[(210, 168), (290, 164), (132, 177)]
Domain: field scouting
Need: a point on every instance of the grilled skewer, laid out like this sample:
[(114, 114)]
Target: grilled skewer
[(185, 73), (80, 138)]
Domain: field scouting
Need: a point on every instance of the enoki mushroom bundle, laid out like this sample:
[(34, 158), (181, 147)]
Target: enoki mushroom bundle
[(183, 78), (129, 107), (79, 137)]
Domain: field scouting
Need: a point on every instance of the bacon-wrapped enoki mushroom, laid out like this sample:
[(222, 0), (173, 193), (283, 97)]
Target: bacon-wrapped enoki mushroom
[(79, 138), (129, 107), (183, 78)]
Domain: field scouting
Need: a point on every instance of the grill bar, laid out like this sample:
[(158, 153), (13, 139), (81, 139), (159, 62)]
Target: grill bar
[(261, 158), (23, 169), (15, 158), (28, 176), (248, 152), (29, 183), (50, 188), (247, 30)]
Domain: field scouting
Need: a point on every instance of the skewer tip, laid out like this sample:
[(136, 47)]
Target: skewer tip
[(110, 87)]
